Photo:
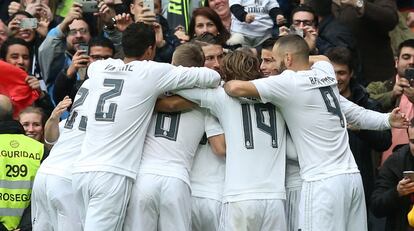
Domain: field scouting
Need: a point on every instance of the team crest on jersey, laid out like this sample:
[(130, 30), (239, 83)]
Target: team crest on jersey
[(14, 144)]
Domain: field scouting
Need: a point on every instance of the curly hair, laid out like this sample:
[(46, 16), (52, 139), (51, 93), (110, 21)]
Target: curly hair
[(240, 65)]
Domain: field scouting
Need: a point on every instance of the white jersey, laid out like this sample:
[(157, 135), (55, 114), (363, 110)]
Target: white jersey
[(293, 179), (122, 99), (207, 174), (315, 114), (255, 144), (72, 132), (262, 23), (171, 143)]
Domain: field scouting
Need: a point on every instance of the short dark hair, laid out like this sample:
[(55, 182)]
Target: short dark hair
[(305, 8), (269, 43), (137, 38), (12, 41), (341, 55), (406, 43), (102, 42), (188, 55), (206, 39), (293, 44)]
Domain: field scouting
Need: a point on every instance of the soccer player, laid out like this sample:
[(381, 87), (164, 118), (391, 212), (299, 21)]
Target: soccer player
[(332, 195), (53, 203), (122, 95), (254, 189), (161, 197)]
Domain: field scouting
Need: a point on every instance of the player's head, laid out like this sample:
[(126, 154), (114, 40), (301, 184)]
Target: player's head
[(213, 51), (341, 59), (290, 51), (268, 65), (188, 55), (100, 48), (6, 108), (33, 120), (240, 65), (138, 41)]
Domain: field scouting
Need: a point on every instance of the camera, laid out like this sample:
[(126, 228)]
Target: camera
[(89, 6), (297, 31), (409, 74), (149, 4), (409, 175), (28, 23)]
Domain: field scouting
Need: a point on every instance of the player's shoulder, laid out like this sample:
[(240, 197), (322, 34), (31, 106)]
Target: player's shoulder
[(324, 66)]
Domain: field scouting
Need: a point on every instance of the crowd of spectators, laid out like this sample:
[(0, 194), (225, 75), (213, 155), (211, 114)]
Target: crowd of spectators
[(369, 42)]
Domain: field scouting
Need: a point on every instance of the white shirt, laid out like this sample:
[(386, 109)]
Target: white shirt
[(262, 24), (207, 174), (71, 134), (122, 99), (315, 114), (171, 143), (293, 179), (255, 144)]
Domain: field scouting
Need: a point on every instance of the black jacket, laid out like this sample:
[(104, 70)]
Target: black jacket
[(364, 141), (385, 201)]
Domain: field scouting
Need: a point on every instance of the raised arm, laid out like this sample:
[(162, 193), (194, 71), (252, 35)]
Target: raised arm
[(52, 124)]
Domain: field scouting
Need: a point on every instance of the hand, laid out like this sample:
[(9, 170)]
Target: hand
[(43, 11), (310, 34), (43, 27), (410, 19), (249, 18), (14, 7), (399, 86), (60, 108), (280, 20), (283, 31), (33, 83), (146, 16), (106, 13), (14, 26), (181, 35), (405, 187), (159, 37), (79, 60), (75, 12), (398, 119), (31, 8), (122, 21)]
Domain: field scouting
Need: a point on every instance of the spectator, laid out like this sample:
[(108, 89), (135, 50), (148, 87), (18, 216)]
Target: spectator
[(222, 8), (4, 33), (33, 120), (166, 42), (67, 82), (21, 157), (39, 9), (393, 194), (370, 21), (33, 37), (397, 92), (205, 20), (361, 142), (16, 52)]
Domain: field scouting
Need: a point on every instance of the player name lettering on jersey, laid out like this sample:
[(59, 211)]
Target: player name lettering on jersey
[(256, 9), (20, 154), (323, 81), (127, 67)]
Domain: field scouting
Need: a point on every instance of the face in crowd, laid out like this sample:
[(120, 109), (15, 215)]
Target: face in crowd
[(204, 25), (405, 60), (303, 18), (27, 35), (343, 76), (268, 65), (19, 56), (213, 55), (3, 32), (221, 7), (78, 34), (32, 124)]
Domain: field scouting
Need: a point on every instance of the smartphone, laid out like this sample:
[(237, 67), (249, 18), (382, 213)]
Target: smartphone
[(28, 23), (89, 6), (149, 4), (297, 31), (84, 47), (409, 174), (409, 74)]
